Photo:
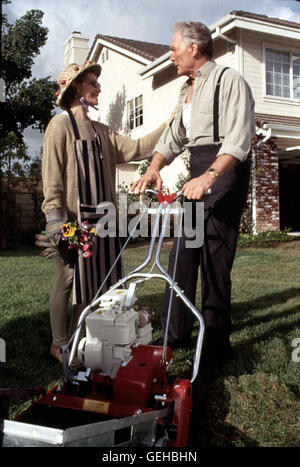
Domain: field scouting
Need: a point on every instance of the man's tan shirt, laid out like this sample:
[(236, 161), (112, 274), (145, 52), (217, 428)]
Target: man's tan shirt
[(236, 115)]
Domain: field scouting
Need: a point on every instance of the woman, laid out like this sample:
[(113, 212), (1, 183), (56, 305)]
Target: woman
[(78, 170)]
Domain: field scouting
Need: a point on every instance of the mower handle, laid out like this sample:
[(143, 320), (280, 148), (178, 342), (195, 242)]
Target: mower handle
[(156, 192), (178, 193), (136, 273)]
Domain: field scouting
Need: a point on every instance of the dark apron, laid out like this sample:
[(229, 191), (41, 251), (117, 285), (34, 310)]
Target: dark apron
[(94, 187)]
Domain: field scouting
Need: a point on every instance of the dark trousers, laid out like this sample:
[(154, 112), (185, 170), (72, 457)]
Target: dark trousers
[(222, 214)]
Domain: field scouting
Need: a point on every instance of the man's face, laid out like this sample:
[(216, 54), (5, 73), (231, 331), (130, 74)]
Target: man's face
[(182, 55)]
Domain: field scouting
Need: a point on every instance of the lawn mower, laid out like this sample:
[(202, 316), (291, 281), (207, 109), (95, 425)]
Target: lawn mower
[(120, 394)]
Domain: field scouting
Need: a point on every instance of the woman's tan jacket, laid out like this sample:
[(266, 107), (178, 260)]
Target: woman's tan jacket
[(59, 164)]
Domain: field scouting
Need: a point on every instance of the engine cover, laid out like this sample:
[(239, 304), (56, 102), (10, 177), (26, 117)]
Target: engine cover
[(111, 331)]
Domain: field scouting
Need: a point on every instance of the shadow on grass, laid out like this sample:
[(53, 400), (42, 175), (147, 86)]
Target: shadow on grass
[(277, 324), (28, 361), (211, 404), (241, 310)]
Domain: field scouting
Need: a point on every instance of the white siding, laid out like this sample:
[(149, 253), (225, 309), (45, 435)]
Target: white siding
[(252, 44), (125, 174), (225, 54)]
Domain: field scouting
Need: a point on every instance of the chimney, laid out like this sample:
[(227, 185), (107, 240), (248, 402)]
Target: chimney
[(76, 48)]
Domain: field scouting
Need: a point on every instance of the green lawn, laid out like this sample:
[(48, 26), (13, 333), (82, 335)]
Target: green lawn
[(255, 401)]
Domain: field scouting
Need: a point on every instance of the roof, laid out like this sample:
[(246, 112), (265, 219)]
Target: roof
[(152, 51), (147, 50), (265, 18), (278, 120)]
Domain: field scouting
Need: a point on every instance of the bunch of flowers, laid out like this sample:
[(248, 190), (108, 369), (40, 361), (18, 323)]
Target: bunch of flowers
[(78, 237)]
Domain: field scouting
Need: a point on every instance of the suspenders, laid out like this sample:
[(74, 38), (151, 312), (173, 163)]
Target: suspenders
[(216, 107), (75, 128)]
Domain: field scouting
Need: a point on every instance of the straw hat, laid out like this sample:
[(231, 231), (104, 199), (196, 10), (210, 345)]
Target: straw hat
[(70, 73)]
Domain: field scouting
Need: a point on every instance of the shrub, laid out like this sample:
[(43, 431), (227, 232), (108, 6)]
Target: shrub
[(246, 225), (266, 238)]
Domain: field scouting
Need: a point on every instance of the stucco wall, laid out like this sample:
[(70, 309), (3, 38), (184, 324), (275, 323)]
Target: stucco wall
[(121, 82)]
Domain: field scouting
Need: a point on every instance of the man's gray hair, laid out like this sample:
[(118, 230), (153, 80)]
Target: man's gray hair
[(197, 33)]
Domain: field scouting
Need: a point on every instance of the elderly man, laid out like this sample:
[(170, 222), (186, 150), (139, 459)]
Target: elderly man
[(215, 121)]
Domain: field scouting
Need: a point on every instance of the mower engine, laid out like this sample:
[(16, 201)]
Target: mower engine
[(111, 332)]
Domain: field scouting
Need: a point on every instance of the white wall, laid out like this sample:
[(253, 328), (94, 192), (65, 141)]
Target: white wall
[(159, 104), (225, 54), (254, 73), (248, 58), (121, 82)]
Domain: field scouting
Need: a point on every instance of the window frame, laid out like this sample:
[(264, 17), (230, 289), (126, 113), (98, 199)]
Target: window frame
[(292, 53), (136, 116)]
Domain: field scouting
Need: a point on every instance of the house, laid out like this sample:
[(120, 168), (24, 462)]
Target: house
[(140, 89), (266, 51)]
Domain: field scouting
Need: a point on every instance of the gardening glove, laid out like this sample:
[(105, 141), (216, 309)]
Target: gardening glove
[(50, 253), (43, 241), (53, 232), (58, 247), (55, 219)]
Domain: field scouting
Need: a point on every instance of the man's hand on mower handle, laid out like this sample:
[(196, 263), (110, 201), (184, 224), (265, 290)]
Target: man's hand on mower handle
[(198, 186)]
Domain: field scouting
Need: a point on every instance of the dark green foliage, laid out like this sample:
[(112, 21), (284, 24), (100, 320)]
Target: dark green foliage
[(29, 102), (21, 43), (265, 239)]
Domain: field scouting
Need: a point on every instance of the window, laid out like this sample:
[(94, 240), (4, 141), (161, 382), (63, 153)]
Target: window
[(296, 76), (282, 74), (135, 112)]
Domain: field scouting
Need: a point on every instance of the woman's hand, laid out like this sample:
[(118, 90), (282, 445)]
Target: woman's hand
[(149, 178)]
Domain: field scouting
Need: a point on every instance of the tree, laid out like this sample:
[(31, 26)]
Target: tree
[(29, 102), (13, 155)]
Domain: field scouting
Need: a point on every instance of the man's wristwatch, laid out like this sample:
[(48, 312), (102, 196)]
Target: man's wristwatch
[(213, 172)]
